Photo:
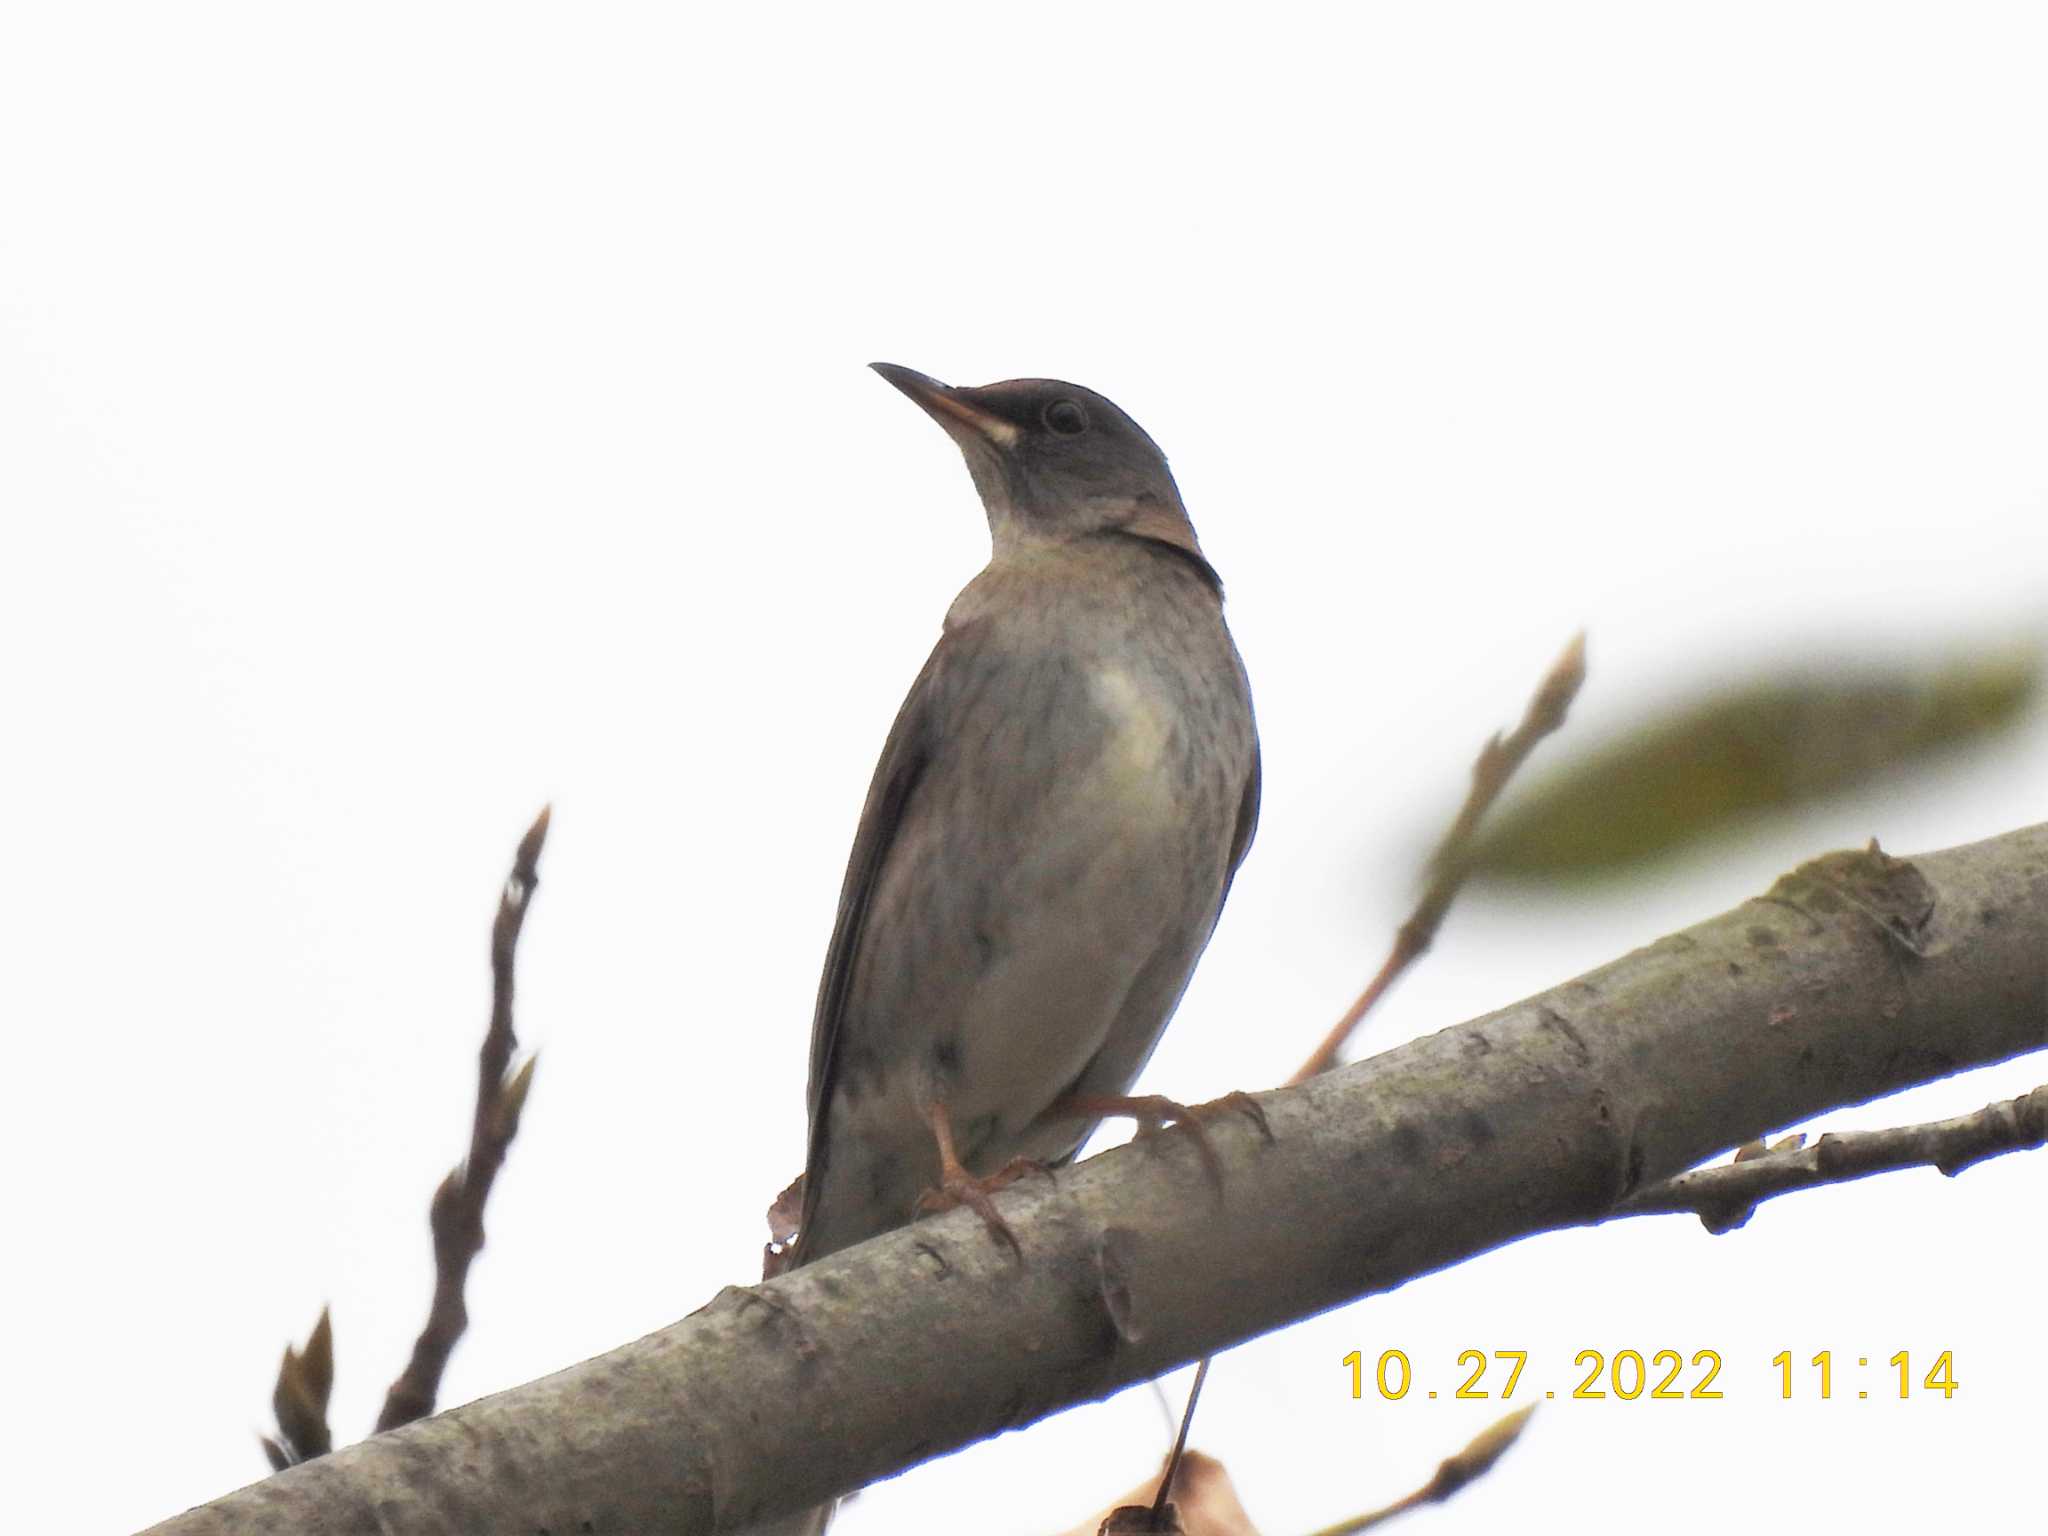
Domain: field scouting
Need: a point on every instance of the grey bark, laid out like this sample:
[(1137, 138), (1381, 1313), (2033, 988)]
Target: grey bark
[(1726, 1195), (1854, 977)]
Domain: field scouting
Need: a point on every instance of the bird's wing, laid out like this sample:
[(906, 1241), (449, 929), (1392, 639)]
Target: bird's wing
[(905, 757), (1111, 1069), (1247, 824)]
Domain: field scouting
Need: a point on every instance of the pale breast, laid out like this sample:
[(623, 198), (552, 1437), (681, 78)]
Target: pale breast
[(1134, 774)]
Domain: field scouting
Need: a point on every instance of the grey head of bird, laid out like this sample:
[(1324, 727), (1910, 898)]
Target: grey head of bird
[(1053, 461)]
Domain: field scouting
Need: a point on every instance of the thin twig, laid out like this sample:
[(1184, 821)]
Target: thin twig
[(1727, 1195), (1496, 764), (457, 1213), (1454, 1473), (1180, 1446)]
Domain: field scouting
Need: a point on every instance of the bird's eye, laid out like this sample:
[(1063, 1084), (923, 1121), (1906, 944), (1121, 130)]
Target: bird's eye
[(1066, 418)]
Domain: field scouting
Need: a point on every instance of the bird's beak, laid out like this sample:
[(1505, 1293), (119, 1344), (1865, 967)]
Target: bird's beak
[(953, 409)]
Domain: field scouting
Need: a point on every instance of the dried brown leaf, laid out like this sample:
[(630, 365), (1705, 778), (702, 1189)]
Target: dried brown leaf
[(305, 1382), (1203, 1497), (785, 1212)]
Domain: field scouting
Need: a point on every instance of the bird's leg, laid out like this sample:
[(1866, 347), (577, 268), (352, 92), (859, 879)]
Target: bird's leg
[(957, 1186), (1155, 1112)]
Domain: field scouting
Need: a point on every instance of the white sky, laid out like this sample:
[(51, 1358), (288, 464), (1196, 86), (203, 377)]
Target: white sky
[(410, 415)]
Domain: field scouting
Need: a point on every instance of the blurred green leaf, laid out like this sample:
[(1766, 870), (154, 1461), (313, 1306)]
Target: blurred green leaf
[(1762, 746)]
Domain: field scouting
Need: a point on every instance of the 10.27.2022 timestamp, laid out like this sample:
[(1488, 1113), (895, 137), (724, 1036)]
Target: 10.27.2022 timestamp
[(1666, 1375)]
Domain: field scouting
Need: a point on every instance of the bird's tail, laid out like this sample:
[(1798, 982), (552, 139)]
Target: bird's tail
[(831, 1226)]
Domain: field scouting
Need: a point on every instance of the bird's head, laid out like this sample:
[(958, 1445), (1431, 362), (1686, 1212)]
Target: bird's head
[(1053, 461)]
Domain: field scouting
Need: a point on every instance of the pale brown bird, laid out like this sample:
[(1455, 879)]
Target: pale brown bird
[(1046, 846), (1051, 830)]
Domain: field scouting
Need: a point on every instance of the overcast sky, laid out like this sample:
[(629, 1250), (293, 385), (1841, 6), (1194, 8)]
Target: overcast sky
[(412, 415)]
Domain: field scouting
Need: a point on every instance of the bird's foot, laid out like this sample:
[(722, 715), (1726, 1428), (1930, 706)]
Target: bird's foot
[(957, 1187), (962, 1188), (1155, 1113)]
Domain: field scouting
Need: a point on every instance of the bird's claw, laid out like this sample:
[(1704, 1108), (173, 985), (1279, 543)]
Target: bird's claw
[(957, 1187), (1156, 1113), (1246, 1105)]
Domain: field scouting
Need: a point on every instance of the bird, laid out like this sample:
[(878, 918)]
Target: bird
[(1055, 821)]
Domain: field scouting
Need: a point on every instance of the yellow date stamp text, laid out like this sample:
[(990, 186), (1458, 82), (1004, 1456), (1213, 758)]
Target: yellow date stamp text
[(1661, 1375)]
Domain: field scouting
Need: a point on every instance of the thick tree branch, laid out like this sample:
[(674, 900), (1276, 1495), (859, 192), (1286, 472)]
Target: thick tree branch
[(1726, 1196), (1854, 977)]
